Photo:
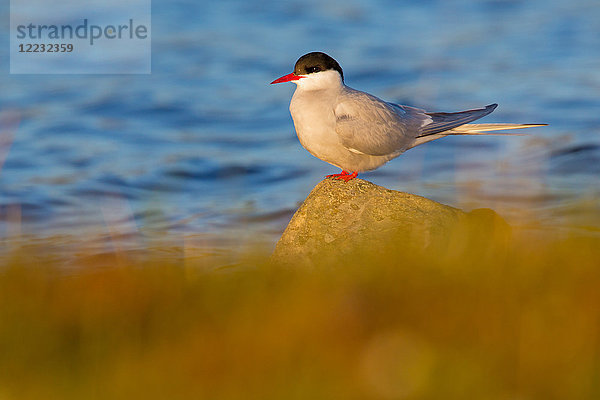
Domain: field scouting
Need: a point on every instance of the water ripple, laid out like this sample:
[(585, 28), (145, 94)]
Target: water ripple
[(205, 144)]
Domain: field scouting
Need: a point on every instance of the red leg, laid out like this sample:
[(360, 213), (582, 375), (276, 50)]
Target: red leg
[(344, 175)]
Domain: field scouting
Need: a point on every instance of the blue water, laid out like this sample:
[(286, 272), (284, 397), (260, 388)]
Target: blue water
[(205, 146)]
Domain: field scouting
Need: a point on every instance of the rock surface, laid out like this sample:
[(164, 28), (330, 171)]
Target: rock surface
[(337, 218)]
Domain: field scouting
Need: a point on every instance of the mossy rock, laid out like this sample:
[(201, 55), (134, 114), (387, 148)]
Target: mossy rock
[(339, 219)]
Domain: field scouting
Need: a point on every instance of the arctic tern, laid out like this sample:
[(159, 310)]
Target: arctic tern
[(359, 132)]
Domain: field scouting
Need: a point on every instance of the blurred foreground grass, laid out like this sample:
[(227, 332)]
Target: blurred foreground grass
[(518, 320)]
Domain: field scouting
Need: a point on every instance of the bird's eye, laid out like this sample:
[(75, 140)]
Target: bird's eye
[(310, 70)]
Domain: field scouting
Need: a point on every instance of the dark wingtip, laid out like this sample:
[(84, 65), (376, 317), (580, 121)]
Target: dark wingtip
[(489, 109)]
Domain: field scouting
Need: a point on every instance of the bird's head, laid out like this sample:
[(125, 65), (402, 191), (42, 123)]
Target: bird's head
[(315, 71)]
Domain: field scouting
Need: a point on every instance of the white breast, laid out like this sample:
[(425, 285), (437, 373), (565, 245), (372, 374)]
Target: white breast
[(314, 120)]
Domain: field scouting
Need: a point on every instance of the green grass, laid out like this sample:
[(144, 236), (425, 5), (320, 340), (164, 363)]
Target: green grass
[(516, 320)]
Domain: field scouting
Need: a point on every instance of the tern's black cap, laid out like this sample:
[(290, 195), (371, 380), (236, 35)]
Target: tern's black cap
[(315, 62)]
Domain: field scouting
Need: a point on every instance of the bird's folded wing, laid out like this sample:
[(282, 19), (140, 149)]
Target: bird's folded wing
[(368, 125), (441, 121)]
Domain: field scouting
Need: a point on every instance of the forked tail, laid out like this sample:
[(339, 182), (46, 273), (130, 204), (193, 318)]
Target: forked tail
[(445, 124), (483, 129)]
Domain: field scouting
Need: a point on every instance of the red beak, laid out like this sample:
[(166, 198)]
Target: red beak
[(287, 78)]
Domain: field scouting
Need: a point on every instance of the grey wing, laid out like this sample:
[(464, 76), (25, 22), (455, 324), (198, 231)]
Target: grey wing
[(368, 125)]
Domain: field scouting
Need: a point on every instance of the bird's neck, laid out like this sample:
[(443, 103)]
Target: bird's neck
[(325, 80)]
